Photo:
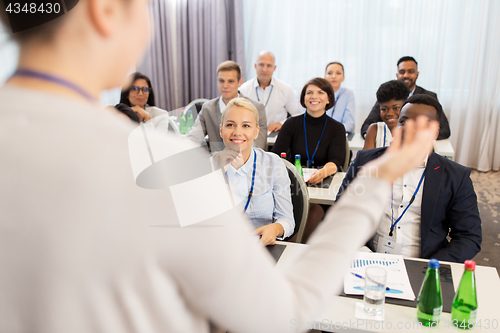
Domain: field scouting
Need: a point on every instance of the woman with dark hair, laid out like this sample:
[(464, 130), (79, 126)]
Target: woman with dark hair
[(343, 110), (391, 96), (139, 97), (319, 139), (140, 92)]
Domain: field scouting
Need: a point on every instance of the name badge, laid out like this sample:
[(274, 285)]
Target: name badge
[(388, 245)]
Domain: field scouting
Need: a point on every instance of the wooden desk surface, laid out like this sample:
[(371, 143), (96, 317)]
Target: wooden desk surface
[(402, 318)]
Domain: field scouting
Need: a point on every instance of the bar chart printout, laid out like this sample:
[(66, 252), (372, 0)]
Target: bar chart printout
[(398, 282)]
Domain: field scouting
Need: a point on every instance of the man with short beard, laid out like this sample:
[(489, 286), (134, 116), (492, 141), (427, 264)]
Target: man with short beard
[(408, 73)]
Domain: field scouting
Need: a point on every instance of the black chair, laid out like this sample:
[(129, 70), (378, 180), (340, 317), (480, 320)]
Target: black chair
[(347, 159), (300, 201)]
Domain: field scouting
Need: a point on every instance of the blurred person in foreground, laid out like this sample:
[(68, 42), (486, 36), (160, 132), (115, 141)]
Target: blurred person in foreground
[(84, 249)]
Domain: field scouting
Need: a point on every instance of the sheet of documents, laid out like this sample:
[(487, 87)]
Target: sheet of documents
[(397, 276), (307, 173)]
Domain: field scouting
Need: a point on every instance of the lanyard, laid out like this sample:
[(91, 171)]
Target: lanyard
[(393, 224), (257, 93), (385, 128), (54, 79), (334, 105), (310, 160), (253, 180)]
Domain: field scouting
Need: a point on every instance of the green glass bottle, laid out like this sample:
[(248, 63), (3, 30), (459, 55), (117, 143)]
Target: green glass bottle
[(189, 121), (430, 301), (464, 308), (182, 123), (298, 165)]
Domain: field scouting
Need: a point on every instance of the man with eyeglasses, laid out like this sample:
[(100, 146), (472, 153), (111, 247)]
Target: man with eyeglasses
[(408, 73)]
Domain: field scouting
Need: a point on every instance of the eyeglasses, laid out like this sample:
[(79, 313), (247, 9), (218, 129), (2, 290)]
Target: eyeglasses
[(135, 90)]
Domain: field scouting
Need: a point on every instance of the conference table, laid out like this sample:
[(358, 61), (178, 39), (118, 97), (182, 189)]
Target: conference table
[(356, 143), (326, 196), (441, 147), (339, 315)]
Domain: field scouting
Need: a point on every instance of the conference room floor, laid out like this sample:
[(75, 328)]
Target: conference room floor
[(487, 187)]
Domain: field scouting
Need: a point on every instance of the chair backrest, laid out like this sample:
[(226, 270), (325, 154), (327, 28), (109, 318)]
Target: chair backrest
[(173, 125), (300, 200), (347, 160), (195, 106)]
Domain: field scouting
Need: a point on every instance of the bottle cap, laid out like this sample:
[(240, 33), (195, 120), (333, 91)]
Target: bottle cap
[(283, 154), (297, 156), (469, 265), (182, 111), (189, 111), (433, 263)]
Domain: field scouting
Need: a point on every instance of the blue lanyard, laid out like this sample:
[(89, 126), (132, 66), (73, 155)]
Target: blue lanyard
[(256, 93), (393, 224), (54, 79), (310, 160), (334, 105), (253, 180)]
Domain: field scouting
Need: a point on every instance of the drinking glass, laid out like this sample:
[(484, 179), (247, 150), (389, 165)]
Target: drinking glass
[(374, 296)]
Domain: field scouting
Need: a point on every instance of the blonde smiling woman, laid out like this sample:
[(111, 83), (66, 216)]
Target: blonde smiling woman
[(255, 171)]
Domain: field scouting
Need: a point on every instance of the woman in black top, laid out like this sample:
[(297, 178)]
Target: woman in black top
[(319, 139), (324, 136)]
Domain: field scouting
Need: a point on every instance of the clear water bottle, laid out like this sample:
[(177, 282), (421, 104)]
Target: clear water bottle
[(464, 308), (182, 123), (189, 121), (430, 300), (298, 165)]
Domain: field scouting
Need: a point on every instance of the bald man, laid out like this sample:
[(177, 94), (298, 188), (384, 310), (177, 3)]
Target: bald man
[(279, 98)]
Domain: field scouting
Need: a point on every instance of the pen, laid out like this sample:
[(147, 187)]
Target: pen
[(359, 276)]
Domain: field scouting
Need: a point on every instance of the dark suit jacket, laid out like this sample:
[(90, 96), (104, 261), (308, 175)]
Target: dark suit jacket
[(449, 203), (374, 116)]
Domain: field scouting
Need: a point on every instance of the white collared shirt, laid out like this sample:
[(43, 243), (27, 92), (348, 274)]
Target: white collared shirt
[(407, 230), (222, 105), (411, 92), (278, 98)]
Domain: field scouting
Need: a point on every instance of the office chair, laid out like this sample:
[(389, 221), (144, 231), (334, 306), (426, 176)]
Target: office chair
[(347, 159), (300, 201)]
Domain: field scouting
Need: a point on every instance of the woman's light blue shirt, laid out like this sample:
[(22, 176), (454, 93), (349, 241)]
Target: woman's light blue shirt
[(344, 109), (271, 201)]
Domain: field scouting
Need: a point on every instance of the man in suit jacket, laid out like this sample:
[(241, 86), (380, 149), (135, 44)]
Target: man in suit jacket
[(209, 120), (408, 72), (445, 206)]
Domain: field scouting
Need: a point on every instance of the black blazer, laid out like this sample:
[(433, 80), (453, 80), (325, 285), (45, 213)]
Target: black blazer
[(449, 204), (374, 116)]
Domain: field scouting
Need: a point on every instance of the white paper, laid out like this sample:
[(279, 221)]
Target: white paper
[(397, 276), (308, 173)]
